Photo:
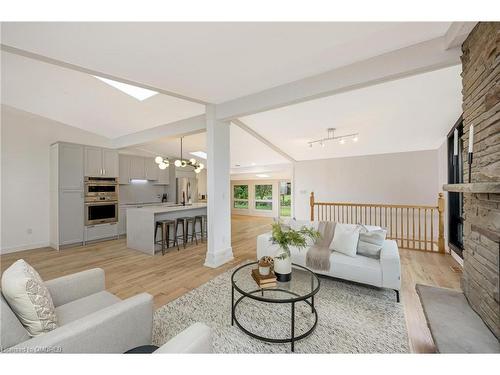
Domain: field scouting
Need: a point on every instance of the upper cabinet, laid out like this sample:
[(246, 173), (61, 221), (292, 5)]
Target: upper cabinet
[(141, 168), (70, 160), (124, 169), (110, 163), (101, 162), (137, 168), (152, 169)]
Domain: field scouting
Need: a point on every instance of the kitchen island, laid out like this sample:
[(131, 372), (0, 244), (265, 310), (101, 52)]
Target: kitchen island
[(141, 223)]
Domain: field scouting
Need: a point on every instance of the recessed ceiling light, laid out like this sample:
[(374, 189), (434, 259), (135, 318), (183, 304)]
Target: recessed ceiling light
[(200, 154), (253, 164), (262, 175), (136, 92)]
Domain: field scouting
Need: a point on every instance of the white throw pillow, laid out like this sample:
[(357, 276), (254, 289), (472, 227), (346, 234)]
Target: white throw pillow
[(29, 298), (370, 242), (345, 239)]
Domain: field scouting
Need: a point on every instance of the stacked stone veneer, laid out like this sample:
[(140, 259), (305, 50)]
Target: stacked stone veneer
[(481, 107)]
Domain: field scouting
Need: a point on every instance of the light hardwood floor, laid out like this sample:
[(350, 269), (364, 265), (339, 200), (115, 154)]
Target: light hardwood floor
[(129, 272)]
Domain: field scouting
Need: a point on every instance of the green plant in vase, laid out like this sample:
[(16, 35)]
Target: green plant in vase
[(285, 238)]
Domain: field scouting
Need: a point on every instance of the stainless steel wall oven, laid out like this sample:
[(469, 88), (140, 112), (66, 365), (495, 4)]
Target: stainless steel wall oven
[(101, 200)]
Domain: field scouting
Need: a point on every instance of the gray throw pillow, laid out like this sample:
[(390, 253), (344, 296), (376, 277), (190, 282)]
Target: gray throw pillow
[(370, 243)]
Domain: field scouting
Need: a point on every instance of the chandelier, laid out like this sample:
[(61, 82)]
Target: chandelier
[(331, 137), (163, 163)]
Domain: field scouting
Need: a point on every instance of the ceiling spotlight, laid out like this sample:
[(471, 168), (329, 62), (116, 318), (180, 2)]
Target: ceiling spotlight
[(163, 165), (355, 139), (159, 160), (331, 137), (177, 163), (192, 160), (342, 141)]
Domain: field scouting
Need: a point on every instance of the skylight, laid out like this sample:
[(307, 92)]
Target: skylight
[(200, 154), (136, 92)]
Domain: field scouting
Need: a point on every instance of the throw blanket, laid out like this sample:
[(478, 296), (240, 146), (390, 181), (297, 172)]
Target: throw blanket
[(318, 256)]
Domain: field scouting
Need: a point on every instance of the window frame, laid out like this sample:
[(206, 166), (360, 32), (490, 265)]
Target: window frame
[(247, 200), (263, 200)]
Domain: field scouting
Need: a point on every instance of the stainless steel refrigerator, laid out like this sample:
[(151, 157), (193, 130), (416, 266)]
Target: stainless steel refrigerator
[(187, 190)]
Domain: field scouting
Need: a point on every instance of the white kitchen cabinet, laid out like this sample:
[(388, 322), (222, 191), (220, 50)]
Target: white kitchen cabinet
[(101, 231), (152, 169), (70, 166), (93, 161), (137, 168), (163, 177), (122, 220), (110, 163), (70, 217), (124, 169), (101, 162)]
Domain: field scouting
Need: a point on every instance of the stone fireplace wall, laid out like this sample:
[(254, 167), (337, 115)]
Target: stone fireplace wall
[(481, 107)]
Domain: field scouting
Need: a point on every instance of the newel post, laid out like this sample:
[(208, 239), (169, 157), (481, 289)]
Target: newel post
[(441, 223), (311, 203)]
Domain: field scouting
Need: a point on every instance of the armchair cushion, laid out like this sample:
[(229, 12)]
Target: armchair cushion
[(197, 338), (12, 331), (29, 298), (75, 286), (84, 306)]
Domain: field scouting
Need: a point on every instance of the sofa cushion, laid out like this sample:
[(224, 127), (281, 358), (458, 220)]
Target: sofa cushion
[(358, 268), (370, 242), (12, 331), (84, 306), (29, 298), (345, 239)]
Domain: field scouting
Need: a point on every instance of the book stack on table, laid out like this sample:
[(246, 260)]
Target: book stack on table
[(264, 281)]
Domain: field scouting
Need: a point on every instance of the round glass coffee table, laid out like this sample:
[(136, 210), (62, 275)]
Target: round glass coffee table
[(300, 289)]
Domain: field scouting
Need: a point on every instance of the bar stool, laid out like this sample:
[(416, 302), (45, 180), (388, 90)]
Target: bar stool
[(165, 229), (184, 222), (202, 219)]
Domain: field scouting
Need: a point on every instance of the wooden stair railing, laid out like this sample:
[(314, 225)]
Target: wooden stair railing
[(411, 226)]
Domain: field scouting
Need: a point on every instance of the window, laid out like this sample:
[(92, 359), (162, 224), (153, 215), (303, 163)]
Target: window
[(264, 197), (285, 198), (240, 197)]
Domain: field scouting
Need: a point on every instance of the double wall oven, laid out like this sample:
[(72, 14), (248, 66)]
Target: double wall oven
[(101, 200)]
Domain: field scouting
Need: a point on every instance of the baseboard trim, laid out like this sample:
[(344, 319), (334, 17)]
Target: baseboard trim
[(217, 259), (15, 249)]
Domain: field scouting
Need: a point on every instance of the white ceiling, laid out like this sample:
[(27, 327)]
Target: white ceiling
[(246, 151), (215, 62), (83, 101), (409, 114)]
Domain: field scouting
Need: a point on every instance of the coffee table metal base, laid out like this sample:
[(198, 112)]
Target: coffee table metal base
[(291, 339)]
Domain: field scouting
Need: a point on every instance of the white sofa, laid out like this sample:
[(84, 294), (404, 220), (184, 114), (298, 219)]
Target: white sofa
[(384, 272)]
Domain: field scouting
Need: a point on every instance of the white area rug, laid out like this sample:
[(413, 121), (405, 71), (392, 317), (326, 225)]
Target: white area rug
[(352, 318)]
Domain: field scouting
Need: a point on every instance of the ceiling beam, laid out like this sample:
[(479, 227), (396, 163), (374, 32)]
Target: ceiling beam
[(191, 125), (63, 64), (260, 138), (419, 58), (457, 33)]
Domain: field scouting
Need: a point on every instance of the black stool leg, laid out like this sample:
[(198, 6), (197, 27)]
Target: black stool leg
[(184, 233), (163, 226), (193, 232)]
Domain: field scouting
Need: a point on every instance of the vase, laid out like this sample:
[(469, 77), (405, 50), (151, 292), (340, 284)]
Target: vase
[(282, 267)]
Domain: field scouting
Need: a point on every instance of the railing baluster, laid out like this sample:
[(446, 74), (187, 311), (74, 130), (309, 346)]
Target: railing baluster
[(432, 229), (425, 228), (419, 231)]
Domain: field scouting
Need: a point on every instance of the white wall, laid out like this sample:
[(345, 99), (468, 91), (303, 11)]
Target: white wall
[(25, 141), (400, 178)]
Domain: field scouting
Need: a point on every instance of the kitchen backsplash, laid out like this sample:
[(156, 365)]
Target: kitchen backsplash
[(141, 192)]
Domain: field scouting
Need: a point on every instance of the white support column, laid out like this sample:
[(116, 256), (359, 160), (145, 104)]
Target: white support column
[(219, 249)]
